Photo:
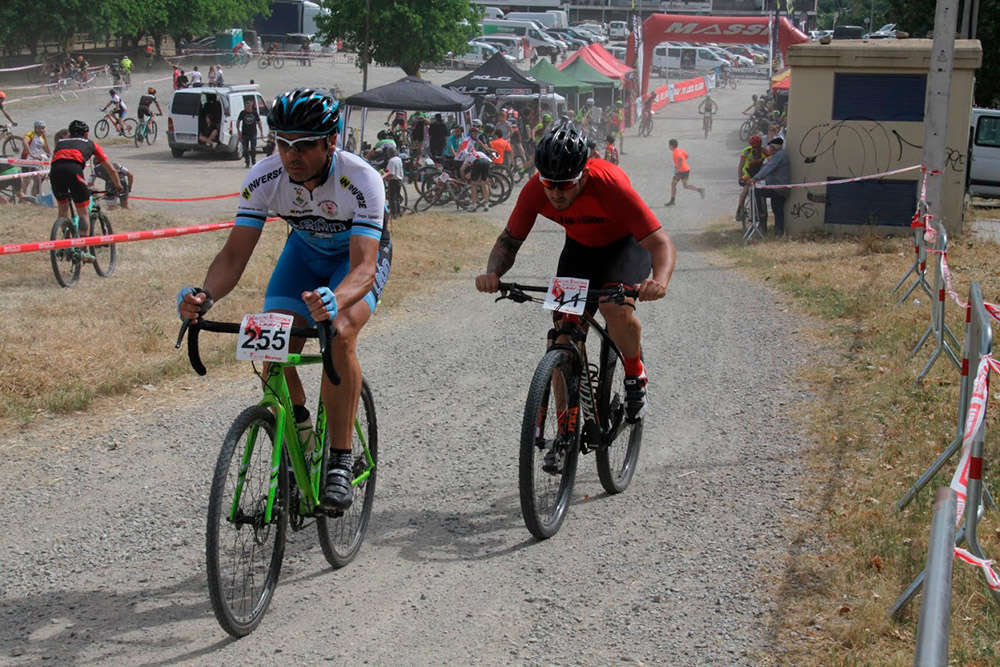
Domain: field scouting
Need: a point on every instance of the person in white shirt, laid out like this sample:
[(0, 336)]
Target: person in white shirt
[(393, 178), (36, 148), (195, 78), (475, 168)]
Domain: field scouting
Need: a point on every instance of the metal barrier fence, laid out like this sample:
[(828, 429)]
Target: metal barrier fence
[(918, 268), (946, 340), (935, 612), (978, 350)]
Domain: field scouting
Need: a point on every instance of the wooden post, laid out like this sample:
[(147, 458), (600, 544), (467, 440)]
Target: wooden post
[(936, 107)]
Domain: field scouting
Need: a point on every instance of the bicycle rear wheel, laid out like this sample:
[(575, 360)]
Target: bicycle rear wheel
[(277, 63), (12, 147), (105, 256), (619, 454), (746, 129), (500, 186), (547, 462), (128, 127), (243, 551), (341, 537), (65, 261), (101, 128)]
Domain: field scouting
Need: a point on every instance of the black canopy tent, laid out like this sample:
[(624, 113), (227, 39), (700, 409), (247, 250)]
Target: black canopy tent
[(497, 77), (410, 93)]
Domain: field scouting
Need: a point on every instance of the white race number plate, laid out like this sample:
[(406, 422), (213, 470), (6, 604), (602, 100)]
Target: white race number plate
[(264, 337), (567, 295)]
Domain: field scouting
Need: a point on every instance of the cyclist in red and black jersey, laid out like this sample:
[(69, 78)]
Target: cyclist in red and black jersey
[(611, 236), (69, 158)]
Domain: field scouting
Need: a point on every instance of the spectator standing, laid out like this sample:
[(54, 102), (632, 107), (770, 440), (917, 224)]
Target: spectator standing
[(682, 172), (36, 147), (454, 143), (305, 60), (247, 124), (195, 78), (182, 80), (774, 172), (177, 75), (501, 146), (211, 76), (219, 81), (438, 134), (393, 178)]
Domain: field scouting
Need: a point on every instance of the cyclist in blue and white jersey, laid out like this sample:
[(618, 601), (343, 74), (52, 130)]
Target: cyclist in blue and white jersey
[(334, 264)]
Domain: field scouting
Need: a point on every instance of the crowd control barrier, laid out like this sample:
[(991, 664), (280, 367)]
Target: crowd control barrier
[(967, 481), (935, 611), (946, 340)]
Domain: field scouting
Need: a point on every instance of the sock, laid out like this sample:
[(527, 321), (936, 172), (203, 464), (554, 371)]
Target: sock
[(633, 366), (301, 413)]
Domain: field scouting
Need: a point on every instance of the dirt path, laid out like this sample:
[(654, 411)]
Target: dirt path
[(104, 560)]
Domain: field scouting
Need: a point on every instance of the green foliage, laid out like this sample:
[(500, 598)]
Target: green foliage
[(404, 33)]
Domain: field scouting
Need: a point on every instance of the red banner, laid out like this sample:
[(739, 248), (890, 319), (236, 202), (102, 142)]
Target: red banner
[(678, 92)]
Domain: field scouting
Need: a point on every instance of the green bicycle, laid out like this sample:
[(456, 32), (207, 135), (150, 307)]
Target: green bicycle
[(66, 262), (266, 480), (146, 131)]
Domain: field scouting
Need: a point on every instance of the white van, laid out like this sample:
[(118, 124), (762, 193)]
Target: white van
[(537, 39), (686, 58), (191, 109), (508, 44), (493, 13), (618, 30), (984, 153)]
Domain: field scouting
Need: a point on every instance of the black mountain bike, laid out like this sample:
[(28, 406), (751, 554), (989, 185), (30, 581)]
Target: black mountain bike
[(573, 407)]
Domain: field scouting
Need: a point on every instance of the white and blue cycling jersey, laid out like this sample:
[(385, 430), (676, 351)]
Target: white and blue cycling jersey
[(349, 202)]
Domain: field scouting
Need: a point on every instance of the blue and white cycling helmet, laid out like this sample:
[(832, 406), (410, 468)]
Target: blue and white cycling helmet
[(305, 111)]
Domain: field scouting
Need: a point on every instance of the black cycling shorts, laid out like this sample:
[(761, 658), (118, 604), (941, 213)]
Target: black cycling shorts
[(623, 261), (480, 170), (68, 182)]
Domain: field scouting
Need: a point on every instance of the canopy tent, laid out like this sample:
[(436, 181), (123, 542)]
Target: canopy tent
[(597, 58), (496, 76), (782, 80), (604, 86), (729, 30), (410, 93), (546, 72)]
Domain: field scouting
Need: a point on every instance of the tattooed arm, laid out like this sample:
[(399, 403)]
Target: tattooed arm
[(501, 259)]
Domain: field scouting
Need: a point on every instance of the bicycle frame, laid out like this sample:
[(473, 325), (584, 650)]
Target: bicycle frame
[(307, 473)]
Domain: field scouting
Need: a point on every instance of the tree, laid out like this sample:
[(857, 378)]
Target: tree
[(917, 18), (402, 33)]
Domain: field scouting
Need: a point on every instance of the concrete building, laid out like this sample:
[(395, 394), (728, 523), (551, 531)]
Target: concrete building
[(856, 107)]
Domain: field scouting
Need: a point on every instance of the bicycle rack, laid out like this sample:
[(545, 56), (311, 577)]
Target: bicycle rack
[(946, 340), (979, 342)]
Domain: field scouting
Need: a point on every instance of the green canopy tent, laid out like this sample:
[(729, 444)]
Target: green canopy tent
[(563, 82), (604, 86)]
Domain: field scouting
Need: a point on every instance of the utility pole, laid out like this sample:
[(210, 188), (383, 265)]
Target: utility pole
[(364, 55), (936, 108)]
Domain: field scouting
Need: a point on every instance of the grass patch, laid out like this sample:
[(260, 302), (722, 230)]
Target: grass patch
[(873, 431), (62, 348)]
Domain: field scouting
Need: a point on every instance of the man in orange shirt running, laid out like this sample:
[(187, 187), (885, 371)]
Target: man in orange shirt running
[(681, 172)]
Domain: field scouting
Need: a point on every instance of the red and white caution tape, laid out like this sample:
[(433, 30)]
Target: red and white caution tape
[(125, 237), (992, 578), (841, 180), (24, 174), (21, 68), (185, 199), (18, 162)]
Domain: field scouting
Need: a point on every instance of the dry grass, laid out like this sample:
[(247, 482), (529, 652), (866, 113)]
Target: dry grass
[(62, 348), (873, 432)]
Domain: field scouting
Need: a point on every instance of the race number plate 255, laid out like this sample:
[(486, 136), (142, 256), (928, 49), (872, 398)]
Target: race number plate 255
[(567, 295), (264, 337)]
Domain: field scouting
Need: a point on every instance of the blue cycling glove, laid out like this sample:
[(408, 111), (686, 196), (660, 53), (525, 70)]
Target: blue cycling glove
[(329, 301)]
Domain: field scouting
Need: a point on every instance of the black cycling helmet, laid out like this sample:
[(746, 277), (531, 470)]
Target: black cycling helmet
[(78, 128), (305, 111), (561, 154)]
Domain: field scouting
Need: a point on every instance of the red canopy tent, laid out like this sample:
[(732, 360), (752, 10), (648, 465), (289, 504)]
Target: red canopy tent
[(598, 57), (724, 29)]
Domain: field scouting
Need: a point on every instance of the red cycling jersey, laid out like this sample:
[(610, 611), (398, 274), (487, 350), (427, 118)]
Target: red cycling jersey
[(608, 209), (77, 149)]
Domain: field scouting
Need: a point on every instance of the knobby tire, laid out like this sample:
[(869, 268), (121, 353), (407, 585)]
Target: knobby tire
[(618, 456), (237, 612), (65, 261), (105, 256)]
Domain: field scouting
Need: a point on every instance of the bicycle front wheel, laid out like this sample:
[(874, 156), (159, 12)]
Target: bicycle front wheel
[(105, 256), (101, 128), (243, 550), (12, 147), (277, 63), (151, 131), (746, 129), (128, 127), (549, 450), (341, 537), (65, 261), (619, 453), (263, 63)]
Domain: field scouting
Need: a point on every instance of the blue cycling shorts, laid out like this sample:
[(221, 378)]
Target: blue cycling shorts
[(302, 268)]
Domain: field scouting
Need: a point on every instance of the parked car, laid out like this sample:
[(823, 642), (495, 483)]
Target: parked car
[(572, 43), (617, 30), (476, 55), (618, 52), (192, 110), (888, 31), (984, 153)]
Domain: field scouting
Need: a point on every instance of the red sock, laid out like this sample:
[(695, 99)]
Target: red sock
[(633, 366)]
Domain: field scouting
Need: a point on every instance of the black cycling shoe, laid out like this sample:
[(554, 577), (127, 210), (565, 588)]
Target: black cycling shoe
[(635, 396), (338, 494), (552, 462)]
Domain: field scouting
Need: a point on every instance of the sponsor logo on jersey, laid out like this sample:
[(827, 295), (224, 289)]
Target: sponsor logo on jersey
[(329, 207), (353, 189), (300, 199), (319, 225), (581, 220), (260, 180)]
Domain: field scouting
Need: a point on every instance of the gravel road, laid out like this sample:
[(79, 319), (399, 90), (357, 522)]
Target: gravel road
[(104, 557)]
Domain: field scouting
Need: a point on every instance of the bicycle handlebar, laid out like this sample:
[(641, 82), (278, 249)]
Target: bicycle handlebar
[(516, 292), (325, 332)]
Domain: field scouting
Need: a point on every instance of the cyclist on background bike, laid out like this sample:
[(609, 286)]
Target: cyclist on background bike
[(118, 110), (126, 64), (145, 102), (3, 98), (611, 236), (334, 264), (69, 158), (707, 109)]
